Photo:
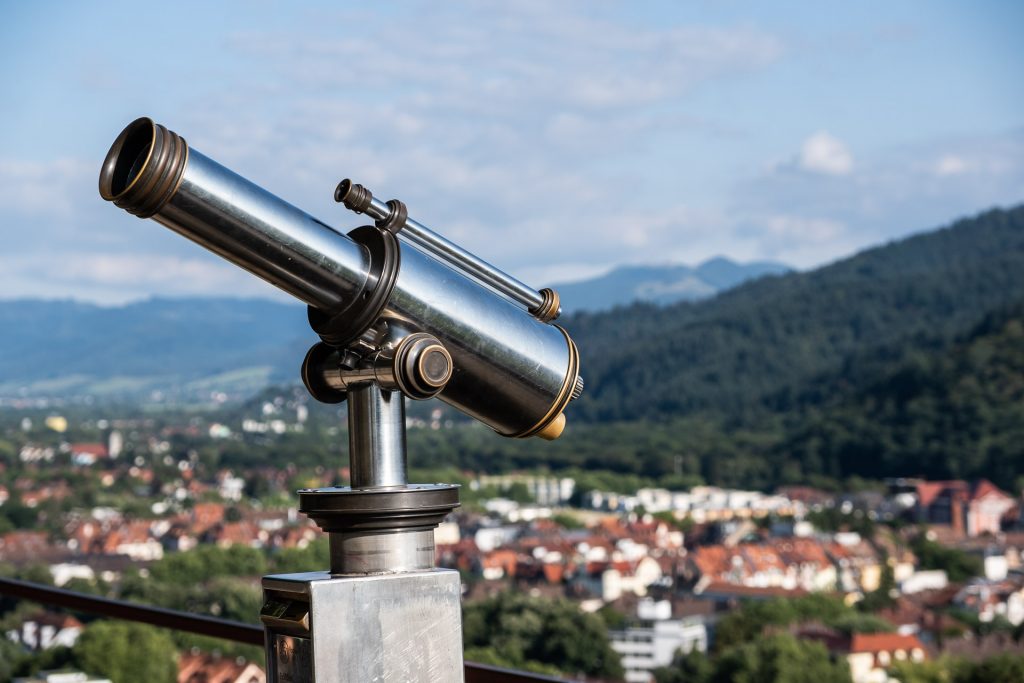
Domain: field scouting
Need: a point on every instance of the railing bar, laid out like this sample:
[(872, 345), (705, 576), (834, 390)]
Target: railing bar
[(224, 629), (156, 616), (485, 673)]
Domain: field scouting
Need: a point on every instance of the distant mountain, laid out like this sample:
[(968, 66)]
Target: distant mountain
[(770, 344), (661, 285), (180, 346), (798, 339)]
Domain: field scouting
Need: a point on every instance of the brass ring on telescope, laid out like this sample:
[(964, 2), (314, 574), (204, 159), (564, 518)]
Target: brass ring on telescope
[(548, 309), (564, 394), (143, 189)]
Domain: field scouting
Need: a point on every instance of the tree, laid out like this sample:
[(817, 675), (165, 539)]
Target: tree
[(881, 597), (958, 565), (520, 631), (127, 652), (692, 667), (779, 659), (943, 670), (1002, 668), (11, 655), (753, 618)]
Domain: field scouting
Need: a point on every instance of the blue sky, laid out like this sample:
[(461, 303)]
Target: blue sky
[(555, 139)]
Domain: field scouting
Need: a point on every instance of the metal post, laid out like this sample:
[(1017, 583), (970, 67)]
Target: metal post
[(383, 612), (376, 437)]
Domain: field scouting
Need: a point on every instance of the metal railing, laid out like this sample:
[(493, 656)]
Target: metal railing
[(235, 631)]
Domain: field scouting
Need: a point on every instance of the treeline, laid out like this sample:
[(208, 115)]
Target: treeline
[(782, 342), (947, 412)]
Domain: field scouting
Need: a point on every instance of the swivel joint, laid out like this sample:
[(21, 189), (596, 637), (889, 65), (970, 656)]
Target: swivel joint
[(419, 367)]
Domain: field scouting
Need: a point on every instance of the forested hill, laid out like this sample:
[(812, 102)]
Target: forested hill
[(940, 415), (794, 340)]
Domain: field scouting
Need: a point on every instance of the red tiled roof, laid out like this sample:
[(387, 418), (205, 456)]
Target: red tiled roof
[(197, 667), (553, 572), (983, 488), (928, 491), (97, 449), (723, 588), (883, 642), (711, 560)]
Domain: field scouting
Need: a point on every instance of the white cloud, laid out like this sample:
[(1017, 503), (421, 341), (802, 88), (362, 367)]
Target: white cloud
[(117, 278), (823, 153), (42, 188), (951, 164), (813, 230), (806, 219)]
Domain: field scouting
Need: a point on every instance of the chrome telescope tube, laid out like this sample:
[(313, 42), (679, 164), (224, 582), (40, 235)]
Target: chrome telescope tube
[(510, 370), (151, 172)]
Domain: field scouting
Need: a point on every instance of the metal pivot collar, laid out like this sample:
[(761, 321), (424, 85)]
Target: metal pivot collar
[(342, 327)]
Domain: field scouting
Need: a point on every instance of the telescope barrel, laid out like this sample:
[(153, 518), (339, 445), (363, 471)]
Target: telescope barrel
[(509, 369), (151, 172)]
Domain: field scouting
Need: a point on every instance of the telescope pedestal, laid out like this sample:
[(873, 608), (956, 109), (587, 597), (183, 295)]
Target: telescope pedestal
[(322, 628), (383, 612)]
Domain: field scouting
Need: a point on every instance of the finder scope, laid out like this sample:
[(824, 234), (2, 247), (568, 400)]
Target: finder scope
[(394, 302)]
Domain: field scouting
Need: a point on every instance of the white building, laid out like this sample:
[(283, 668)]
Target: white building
[(656, 641), (47, 630), (61, 677), (63, 572), (544, 490), (924, 580)]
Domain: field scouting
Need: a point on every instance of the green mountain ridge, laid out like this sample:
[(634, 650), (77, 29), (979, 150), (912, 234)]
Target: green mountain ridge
[(952, 414), (785, 341)]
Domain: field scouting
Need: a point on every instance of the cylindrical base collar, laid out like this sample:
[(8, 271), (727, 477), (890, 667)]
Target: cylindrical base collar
[(371, 552)]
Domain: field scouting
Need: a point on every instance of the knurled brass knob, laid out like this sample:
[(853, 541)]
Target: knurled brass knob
[(423, 366)]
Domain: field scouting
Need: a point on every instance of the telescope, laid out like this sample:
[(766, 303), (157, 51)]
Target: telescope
[(401, 312)]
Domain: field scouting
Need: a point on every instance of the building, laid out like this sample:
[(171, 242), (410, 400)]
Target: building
[(61, 677), (611, 580), (656, 639), (870, 655), (553, 491), (969, 509), (46, 630), (789, 563), (199, 667), (991, 599), (88, 453)]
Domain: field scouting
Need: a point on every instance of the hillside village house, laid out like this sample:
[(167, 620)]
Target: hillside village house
[(968, 509), (46, 630), (199, 667), (870, 655)]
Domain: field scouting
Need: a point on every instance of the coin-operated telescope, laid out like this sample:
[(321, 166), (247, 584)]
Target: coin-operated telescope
[(401, 312)]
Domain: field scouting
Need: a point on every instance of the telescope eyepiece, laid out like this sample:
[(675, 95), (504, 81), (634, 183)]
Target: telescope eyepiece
[(354, 196), (143, 168)]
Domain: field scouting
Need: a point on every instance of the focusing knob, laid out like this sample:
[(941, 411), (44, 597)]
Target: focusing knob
[(422, 366)]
